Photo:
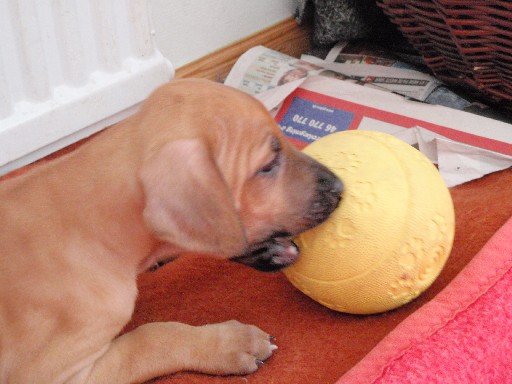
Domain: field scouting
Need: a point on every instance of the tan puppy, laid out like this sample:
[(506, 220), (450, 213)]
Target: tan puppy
[(200, 168)]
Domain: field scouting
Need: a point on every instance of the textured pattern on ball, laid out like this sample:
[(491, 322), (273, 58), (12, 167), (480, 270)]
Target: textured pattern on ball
[(392, 233)]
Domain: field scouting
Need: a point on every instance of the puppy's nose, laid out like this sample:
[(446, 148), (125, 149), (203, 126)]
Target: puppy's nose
[(329, 182), (337, 187), (336, 191), (330, 188)]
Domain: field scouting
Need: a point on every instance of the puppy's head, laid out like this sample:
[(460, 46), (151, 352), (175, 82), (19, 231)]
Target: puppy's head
[(220, 178)]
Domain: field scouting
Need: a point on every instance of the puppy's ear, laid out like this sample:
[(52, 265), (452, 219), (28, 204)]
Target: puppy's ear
[(187, 201)]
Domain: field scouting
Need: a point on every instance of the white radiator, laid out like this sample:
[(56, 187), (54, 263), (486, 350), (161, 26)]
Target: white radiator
[(69, 68)]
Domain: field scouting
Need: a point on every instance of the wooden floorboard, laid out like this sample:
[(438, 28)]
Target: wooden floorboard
[(287, 37)]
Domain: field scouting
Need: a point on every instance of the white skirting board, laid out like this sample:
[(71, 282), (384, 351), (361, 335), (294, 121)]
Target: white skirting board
[(70, 68)]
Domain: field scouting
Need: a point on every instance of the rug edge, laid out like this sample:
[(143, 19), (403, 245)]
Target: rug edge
[(470, 284)]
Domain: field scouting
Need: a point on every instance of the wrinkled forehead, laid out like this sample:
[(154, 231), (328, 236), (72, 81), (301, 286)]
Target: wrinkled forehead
[(243, 117), (248, 131), (245, 137), (191, 108)]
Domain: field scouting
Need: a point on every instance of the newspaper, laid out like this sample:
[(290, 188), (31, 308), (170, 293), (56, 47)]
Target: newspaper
[(392, 75), (410, 80), (271, 68), (308, 105), (261, 69)]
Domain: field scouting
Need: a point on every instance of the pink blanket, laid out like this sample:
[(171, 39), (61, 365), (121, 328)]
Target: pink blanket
[(464, 335)]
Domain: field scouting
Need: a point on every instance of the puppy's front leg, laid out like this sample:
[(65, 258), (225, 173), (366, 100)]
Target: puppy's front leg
[(157, 349)]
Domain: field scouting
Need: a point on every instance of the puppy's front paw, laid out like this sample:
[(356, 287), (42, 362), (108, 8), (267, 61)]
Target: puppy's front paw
[(233, 348)]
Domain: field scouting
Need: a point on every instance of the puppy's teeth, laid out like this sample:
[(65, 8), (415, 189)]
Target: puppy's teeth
[(273, 347)]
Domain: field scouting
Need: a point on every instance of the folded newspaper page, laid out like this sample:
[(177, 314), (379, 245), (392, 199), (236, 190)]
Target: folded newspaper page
[(406, 82), (261, 69), (405, 79), (308, 105)]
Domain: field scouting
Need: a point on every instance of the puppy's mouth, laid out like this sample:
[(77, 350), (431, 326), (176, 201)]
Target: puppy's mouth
[(271, 255), (279, 251)]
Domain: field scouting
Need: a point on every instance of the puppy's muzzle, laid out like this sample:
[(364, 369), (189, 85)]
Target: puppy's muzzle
[(329, 189), (279, 251)]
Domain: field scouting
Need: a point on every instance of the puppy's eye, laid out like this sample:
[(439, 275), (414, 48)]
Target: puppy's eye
[(272, 167)]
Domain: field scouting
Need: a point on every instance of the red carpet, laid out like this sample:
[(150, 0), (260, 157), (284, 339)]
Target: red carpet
[(462, 336), (316, 345)]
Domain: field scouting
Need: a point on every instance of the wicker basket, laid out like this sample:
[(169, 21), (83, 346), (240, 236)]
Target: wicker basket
[(465, 43)]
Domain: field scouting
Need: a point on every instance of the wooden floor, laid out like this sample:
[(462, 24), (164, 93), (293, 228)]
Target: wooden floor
[(287, 37)]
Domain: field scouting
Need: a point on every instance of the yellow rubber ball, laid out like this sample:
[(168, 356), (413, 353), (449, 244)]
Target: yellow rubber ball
[(392, 233)]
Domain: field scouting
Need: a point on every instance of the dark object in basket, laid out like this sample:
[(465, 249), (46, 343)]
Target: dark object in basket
[(466, 43), (335, 20)]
